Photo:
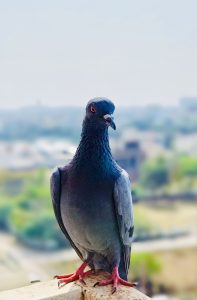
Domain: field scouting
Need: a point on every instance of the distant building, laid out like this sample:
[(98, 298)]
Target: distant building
[(129, 158), (186, 144), (41, 153), (134, 146)]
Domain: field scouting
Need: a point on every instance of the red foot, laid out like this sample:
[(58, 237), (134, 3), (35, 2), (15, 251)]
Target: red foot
[(114, 280), (79, 274)]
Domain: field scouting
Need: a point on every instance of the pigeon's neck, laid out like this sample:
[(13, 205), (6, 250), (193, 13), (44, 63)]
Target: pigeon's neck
[(93, 151), (94, 143)]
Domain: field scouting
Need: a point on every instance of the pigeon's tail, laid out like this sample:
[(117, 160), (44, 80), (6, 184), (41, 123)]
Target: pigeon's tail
[(124, 263), (122, 270)]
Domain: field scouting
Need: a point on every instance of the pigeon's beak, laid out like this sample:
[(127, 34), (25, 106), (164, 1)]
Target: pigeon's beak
[(109, 119)]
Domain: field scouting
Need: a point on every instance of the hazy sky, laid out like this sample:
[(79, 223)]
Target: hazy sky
[(64, 52)]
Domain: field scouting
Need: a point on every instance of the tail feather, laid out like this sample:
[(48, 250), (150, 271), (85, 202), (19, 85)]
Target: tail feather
[(124, 265)]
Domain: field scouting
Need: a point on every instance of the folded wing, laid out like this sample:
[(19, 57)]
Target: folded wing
[(124, 214), (55, 184)]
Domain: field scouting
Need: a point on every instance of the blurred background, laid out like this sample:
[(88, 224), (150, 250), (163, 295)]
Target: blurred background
[(54, 57)]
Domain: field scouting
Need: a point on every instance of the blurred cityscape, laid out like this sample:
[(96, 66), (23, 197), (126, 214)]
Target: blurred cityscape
[(157, 145)]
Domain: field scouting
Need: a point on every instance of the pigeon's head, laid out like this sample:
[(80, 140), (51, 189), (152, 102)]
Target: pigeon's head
[(100, 112)]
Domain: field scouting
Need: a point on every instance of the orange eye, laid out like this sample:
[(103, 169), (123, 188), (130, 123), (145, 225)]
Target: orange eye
[(92, 109)]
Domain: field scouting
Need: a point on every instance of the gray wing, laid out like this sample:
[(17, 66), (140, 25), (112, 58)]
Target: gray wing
[(55, 185), (124, 214)]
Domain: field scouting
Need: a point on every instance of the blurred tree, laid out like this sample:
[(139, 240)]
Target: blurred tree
[(5, 208), (29, 215), (184, 173), (38, 230), (144, 266), (187, 166), (142, 226), (145, 263), (156, 173)]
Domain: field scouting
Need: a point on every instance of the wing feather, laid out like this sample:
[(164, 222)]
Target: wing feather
[(55, 185), (124, 214)]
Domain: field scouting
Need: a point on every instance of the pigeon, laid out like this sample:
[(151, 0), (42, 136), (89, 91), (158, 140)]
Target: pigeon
[(92, 202)]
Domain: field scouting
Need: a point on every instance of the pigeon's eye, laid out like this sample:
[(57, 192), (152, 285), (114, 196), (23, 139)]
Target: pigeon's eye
[(92, 109)]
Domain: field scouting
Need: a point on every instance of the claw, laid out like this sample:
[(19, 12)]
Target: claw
[(97, 283), (114, 280), (82, 281), (78, 275)]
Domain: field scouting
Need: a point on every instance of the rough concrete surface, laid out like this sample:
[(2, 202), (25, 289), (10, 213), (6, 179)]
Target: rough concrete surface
[(72, 291)]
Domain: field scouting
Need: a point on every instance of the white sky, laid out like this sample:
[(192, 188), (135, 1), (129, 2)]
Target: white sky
[(65, 52)]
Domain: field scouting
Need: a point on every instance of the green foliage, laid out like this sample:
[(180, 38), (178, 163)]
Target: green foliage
[(187, 166), (142, 225), (172, 175), (156, 173), (29, 215), (39, 231), (144, 264), (5, 208)]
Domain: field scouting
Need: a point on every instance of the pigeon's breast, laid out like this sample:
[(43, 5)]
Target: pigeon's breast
[(88, 214)]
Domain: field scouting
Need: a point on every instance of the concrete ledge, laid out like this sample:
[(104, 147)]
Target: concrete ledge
[(73, 291)]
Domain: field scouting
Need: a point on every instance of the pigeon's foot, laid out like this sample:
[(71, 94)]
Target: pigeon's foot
[(114, 279), (78, 275)]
